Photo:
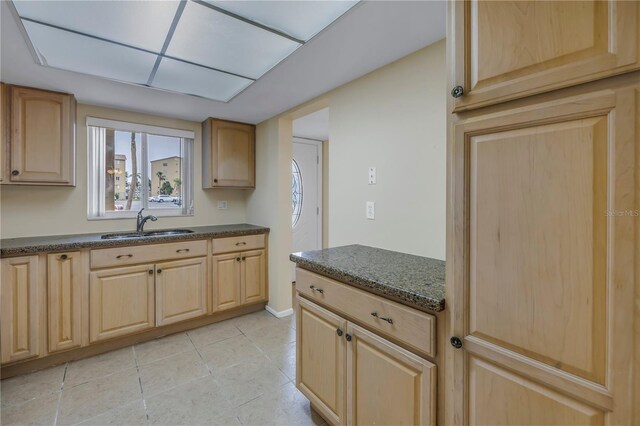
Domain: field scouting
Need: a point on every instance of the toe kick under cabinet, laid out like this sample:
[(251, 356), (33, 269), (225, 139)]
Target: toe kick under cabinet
[(348, 370), (61, 305)]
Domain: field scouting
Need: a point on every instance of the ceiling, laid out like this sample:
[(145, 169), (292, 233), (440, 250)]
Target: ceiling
[(370, 35), (210, 49), (313, 126)]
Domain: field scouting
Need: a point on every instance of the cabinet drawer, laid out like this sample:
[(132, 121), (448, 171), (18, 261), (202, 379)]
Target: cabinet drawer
[(133, 255), (243, 243), (409, 326)]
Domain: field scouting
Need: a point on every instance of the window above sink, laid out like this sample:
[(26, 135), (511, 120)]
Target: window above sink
[(133, 166)]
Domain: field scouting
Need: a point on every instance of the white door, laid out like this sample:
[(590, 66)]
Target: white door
[(306, 192)]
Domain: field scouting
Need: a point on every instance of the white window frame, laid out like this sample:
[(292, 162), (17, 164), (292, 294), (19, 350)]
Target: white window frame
[(96, 153)]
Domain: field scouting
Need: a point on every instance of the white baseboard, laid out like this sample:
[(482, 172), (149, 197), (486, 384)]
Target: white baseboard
[(280, 314)]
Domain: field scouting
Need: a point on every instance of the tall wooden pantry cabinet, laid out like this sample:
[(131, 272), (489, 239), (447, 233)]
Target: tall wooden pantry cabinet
[(543, 262)]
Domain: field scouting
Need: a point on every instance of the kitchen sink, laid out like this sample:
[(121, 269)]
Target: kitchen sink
[(167, 232), (159, 233)]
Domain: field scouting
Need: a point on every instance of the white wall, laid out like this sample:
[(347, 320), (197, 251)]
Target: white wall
[(36, 210), (394, 119), (270, 204)]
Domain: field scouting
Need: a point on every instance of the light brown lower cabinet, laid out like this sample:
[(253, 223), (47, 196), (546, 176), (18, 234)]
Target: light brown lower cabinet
[(181, 290), (64, 288), (21, 304), (122, 301), (353, 376), (238, 278), (253, 277)]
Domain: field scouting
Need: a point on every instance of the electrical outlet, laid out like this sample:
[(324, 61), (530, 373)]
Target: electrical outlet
[(372, 175), (371, 210), (222, 205)]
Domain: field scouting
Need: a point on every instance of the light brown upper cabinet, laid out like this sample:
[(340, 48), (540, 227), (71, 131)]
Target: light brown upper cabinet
[(228, 154), (505, 50), (21, 307), (42, 139)]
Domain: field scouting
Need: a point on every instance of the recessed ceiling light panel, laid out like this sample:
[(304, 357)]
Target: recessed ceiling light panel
[(211, 38), (141, 24), (196, 80), (73, 52), (299, 19), (211, 49)]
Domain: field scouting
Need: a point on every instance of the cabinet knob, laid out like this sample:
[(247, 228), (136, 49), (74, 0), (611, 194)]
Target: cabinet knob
[(339, 332), (314, 288), (159, 271), (348, 337), (215, 181), (15, 173), (150, 271), (244, 258), (456, 342), (457, 91), (63, 257), (237, 259)]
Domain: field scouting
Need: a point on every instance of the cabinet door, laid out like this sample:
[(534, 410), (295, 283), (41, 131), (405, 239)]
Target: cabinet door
[(253, 276), (387, 385), (121, 301), (225, 279), (4, 140), (181, 290), (64, 284), (544, 220), (228, 154), (505, 50), (321, 359), (42, 137), (20, 308)]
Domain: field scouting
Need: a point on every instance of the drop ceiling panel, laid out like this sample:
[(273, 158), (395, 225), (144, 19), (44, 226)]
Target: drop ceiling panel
[(195, 80), (142, 24), (211, 38), (299, 19), (59, 49)]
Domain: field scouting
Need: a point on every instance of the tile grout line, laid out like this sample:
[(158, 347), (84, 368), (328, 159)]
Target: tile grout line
[(64, 377), (144, 401), (199, 354)]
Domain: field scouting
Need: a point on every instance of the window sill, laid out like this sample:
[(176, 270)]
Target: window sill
[(134, 214)]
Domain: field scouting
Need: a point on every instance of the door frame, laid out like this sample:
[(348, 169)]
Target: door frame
[(320, 162)]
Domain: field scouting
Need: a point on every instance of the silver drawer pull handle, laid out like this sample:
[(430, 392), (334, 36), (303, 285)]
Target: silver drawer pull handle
[(120, 256), (375, 314), (242, 243), (182, 250), (314, 288)]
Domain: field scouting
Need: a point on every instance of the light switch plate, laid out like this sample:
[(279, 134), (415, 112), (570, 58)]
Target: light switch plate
[(371, 210), (222, 205), (372, 175)]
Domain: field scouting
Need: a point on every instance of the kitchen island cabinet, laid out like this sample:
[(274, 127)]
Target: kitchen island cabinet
[(367, 345)]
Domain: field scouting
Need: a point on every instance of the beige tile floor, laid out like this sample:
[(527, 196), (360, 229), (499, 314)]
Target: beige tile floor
[(236, 372)]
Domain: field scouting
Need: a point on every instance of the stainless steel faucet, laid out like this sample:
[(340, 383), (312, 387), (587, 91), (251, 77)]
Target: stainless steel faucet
[(142, 220)]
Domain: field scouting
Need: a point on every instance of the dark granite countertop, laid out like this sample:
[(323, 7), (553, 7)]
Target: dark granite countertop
[(411, 280), (33, 245)]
